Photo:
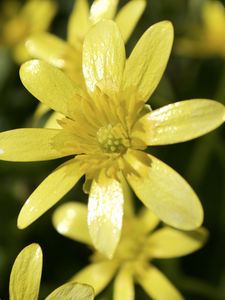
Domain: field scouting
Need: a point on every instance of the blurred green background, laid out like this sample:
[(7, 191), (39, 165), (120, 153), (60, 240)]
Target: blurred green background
[(199, 276)]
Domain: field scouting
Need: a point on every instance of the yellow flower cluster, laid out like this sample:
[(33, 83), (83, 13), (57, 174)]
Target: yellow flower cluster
[(104, 123)]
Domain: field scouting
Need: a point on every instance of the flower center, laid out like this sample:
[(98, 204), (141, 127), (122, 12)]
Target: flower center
[(112, 139)]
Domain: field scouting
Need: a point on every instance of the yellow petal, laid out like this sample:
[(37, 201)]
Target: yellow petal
[(51, 86), (33, 144), (124, 285), (168, 242), (105, 214), (164, 191), (213, 15), (48, 47), (128, 17), (79, 23), (103, 9), (147, 221), (39, 14), (72, 291), (103, 58), (50, 191), (148, 60), (157, 286), (97, 275), (26, 274), (180, 121), (20, 53), (52, 121), (70, 220), (40, 111)]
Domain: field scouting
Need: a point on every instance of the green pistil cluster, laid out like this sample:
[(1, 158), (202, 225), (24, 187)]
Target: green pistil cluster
[(109, 139)]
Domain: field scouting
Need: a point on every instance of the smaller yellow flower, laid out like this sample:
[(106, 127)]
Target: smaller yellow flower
[(209, 38), (19, 22), (26, 276), (138, 246)]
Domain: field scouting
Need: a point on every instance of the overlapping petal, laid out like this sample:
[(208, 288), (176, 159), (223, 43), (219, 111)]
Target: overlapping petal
[(103, 58), (50, 191), (51, 86), (128, 16), (26, 274), (163, 190), (70, 220), (97, 275), (180, 121), (148, 60), (147, 221), (72, 291), (79, 23), (33, 144), (50, 48), (105, 214), (124, 285), (103, 9), (168, 242), (157, 286)]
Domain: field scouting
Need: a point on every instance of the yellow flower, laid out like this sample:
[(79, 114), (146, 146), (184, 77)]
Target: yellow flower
[(26, 276), (34, 16), (132, 262), (208, 39), (68, 55), (107, 129)]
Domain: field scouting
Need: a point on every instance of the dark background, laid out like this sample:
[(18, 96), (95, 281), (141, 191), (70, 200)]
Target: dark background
[(200, 276)]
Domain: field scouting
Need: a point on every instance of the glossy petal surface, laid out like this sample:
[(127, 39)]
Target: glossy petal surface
[(103, 9), (70, 220), (51, 86), (97, 275), (50, 191), (157, 286), (164, 191), (26, 274), (148, 60), (31, 144), (79, 23), (105, 214), (72, 291), (124, 285), (128, 17), (180, 121), (168, 242), (103, 58)]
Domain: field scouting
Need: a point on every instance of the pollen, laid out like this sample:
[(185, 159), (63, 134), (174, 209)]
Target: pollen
[(111, 139)]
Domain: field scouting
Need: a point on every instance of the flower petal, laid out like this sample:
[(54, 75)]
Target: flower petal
[(124, 285), (50, 48), (148, 60), (33, 144), (147, 220), (26, 274), (79, 23), (51, 86), (128, 17), (157, 286), (72, 290), (105, 214), (70, 220), (103, 58), (164, 191), (97, 275), (168, 242), (103, 9), (180, 121), (50, 191)]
